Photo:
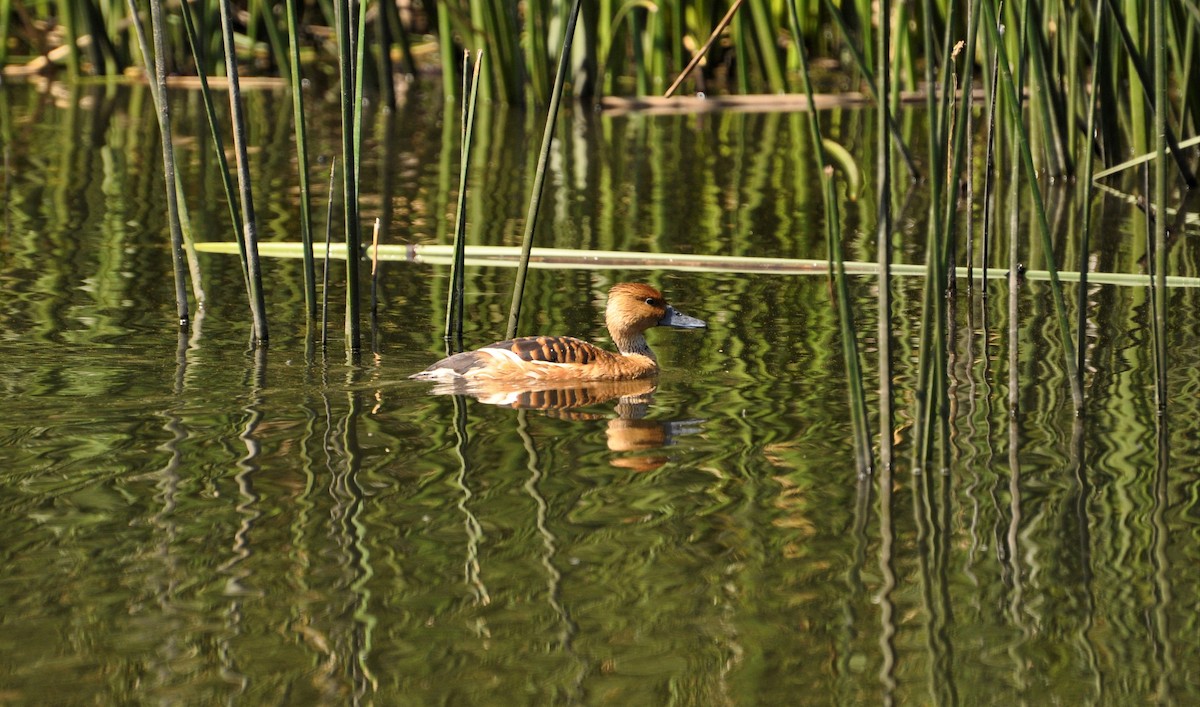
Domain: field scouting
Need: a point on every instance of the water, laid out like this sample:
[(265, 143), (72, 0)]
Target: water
[(186, 520)]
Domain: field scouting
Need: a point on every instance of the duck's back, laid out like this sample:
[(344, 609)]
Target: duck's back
[(538, 358)]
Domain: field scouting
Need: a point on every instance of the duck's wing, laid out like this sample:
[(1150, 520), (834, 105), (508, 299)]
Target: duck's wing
[(551, 349), (527, 349)]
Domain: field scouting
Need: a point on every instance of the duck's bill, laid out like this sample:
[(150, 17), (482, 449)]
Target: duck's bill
[(679, 320)]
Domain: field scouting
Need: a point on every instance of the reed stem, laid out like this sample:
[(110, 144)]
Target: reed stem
[(159, 93), (1013, 104), (539, 179), (257, 305), (297, 83), (858, 405), (210, 112), (349, 171), (883, 230), (454, 302), (325, 265), (1159, 290)]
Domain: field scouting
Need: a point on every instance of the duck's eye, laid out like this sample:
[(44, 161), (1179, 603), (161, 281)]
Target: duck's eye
[(651, 301)]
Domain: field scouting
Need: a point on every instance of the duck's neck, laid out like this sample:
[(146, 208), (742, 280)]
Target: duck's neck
[(629, 344)]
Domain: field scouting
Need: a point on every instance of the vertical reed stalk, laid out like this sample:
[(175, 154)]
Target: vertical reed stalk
[(1085, 235), (446, 49), (989, 184), (159, 93), (310, 281), (1139, 66), (257, 305), (349, 171), (210, 112), (375, 287), (454, 302), (1013, 103), (5, 20), (858, 404), (1014, 276), (71, 32), (539, 179), (325, 264), (878, 94), (1159, 286), (883, 230), (168, 155)]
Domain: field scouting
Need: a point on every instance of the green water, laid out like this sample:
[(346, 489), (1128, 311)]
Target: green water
[(188, 521)]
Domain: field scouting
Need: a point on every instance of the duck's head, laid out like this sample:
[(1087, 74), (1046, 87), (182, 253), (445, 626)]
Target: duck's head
[(635, 307)]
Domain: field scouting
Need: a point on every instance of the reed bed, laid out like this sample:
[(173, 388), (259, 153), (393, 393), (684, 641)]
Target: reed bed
[(1065, 91)]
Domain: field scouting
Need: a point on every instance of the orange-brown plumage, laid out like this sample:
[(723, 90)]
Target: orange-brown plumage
[(632, 309)]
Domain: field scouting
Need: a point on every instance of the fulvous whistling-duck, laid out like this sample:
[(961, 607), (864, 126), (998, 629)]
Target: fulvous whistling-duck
[(539, 360)]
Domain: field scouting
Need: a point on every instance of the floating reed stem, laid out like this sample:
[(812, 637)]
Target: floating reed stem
[(539, 177), (158, 93), (257, 305), (454, 302), (571, 259), (297, 82)]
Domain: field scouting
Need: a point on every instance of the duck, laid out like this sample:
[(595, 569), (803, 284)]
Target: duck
[(548, 360)]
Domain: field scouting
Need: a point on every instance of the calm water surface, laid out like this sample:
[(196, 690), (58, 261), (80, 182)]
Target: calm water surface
[(187, 520)]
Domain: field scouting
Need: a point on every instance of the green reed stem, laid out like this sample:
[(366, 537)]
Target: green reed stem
[(297, 82), (1047, 103), (932, 346), (765, 36), (1139, 65), (539, 179), (5, 21), (1089, 161), (385, 71), (349, 172), (1159, 290), (446, 49), (257, 305), (375, 284), (325, 265), (360, 45), (883, 231), (454, 302), (158, 92), (869, 79), (210, 112), (858, 400), (1013, 104), (989, 183)]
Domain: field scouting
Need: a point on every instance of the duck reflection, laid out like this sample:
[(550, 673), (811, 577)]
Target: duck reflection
[(629, 433)]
